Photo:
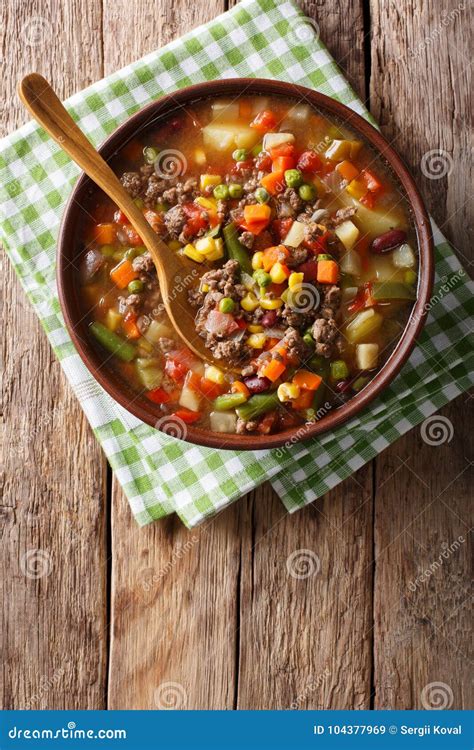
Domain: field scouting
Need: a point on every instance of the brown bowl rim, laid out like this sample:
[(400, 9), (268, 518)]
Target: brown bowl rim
[(235, 86)]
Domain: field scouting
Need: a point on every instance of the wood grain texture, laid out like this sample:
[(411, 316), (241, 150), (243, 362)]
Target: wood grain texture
[(52, 525), (423, 492), (174, 644)]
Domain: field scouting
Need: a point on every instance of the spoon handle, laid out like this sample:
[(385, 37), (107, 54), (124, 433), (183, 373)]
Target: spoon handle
[(40, 99)]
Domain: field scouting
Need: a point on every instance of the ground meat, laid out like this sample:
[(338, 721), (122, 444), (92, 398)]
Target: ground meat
[(325, 334), (288, 204), (195, 297), (183, 192), (247, 239), (298, 320), (252, 183), (144, 265), (226, 281), (132, 183), (166, 345), (244, 427), (175, 219), (297, 350), (155, 187), (297, 255), (342, 214), (222, 209), (331, 301), (234, 350), (249, 369), (312, 231), (130, 304)]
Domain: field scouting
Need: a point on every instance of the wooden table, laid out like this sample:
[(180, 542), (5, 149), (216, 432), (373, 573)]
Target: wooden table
[(226, 624)]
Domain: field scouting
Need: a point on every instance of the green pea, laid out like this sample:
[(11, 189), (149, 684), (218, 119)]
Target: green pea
[(107, 250), (257, 149), (293, 178), (150, 154), (307, 192), (135, 286), (138, 202), (240, 154), (262, 278), (221, 192), (262, 195), (226, 305), (410, 277), (236, 190), (161, 206), (324, 256)]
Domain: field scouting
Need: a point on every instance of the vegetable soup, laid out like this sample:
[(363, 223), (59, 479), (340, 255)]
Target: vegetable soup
[(305, 257)]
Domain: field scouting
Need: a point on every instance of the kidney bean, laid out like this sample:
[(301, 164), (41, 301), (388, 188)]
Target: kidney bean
[(388, 241), (269, 319), (256, 384), (343, 385)]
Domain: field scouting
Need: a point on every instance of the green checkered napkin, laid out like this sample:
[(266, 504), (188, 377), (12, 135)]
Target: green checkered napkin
[(160, 474)]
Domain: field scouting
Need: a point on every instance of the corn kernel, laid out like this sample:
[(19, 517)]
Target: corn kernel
[(295, 281), (218, 252), (214, 374), (257, 260), (205, 245), (209, 179), (208, 204), (255, 329), (174, 245), (205, 288), (200, 157), (357, 189), (270, 304), (113, 319), (288, 392), (278, 273), (145, 345), (249, 302), (257, 340), (191, 252)]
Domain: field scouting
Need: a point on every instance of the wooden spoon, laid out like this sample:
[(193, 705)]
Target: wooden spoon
[(175, 275)]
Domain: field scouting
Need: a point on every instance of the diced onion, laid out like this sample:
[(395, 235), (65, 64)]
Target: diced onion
[(272, 140), (223, 421)]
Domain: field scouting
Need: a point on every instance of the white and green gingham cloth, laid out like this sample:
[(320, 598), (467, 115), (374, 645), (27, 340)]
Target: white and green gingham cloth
[(160, 474)]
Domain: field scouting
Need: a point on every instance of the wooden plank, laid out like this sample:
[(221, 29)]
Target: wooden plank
[(174, 642), (306, 642), (423, 491), (53, 548)]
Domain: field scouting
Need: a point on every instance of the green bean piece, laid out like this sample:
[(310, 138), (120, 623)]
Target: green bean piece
[(258, 404), (410, 276), (139, 203), (229, 401), (308, 340), (235, 249), (112, 342), (257, 149), (360, 383), (107, 250), (214, 231), (150, 154), (388, 290), (339, 370)]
